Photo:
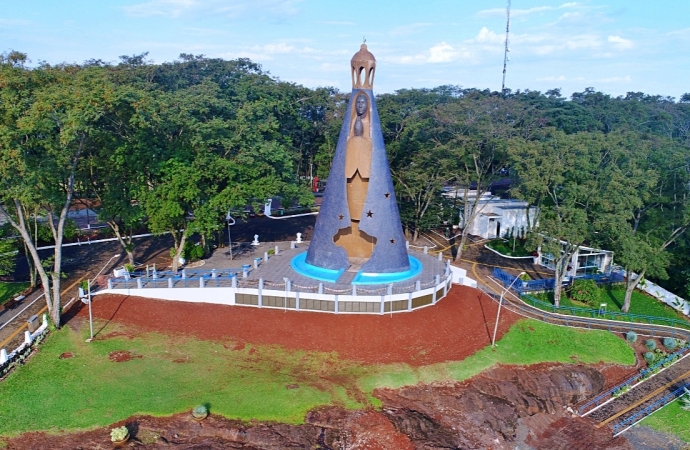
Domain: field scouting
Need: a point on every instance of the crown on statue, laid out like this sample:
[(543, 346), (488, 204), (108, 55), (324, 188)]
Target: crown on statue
[(363, 68)]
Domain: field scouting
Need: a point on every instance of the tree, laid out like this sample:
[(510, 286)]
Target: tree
[(47, 116), (477, 130), (558, 174)]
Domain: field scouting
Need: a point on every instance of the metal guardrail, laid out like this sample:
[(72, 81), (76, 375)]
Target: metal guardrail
[(613, 315), (623, 425), (549, 283), (641, 376)]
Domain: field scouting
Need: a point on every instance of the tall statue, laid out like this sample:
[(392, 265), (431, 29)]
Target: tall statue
[(359, 223)]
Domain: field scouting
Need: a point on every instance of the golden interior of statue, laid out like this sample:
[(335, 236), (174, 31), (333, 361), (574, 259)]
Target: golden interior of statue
[(358, 245)]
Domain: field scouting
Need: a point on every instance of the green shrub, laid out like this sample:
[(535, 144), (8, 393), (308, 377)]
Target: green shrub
[(648, 357), (631, 336), (128, 267), (586, 291), (670, 343), (200, 411), (119, 434), (650, 344)]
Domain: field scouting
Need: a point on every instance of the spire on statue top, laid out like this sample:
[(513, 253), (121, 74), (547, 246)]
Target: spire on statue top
[(363, 67)]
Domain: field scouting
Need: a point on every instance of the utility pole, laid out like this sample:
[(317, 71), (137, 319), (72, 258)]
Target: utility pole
[(505, 53)]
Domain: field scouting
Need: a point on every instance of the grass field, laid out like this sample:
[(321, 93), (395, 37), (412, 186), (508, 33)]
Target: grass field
[(505, 247), (9, 290), (265, 383), (613, 297), (671, 419)]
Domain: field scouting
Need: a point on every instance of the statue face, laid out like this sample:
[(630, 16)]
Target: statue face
[(361, 105)]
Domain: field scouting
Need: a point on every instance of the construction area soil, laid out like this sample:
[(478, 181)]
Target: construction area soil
[(504, 408)]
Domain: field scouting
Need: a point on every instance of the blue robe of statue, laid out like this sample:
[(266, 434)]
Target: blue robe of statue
[(380, 218)]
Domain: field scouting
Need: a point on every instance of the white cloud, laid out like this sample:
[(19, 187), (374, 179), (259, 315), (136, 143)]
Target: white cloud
[(226, 8), (620, 43), (439, 53), (559, 78), (513, 12), (442, 53), (625, 79), (486, 36)]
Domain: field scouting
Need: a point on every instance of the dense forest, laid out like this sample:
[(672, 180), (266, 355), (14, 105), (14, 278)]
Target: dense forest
[(174, 146)]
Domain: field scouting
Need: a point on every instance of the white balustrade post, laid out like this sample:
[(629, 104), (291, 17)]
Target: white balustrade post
[(170, 283), (426, 250), (276, 250), (139, 286), (27, 338), (261, 288), (110, 283), (3, 356), (201, 282)]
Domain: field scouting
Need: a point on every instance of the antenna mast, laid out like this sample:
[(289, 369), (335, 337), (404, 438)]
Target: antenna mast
[(505, 54)]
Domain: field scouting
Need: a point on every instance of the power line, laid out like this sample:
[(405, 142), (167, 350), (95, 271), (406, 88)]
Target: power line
[(505, 54)]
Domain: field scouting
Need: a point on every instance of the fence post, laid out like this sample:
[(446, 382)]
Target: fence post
[(336, 303), (426, 250), (201, 282), (138, 283), (296, 300), (276, 250), (110, 283), (3, 356), (418, 286), (354, 290), (320, 288), (27, 338), (234, 281), (170, 282), (409, 301), (383, 297), (261, 288)]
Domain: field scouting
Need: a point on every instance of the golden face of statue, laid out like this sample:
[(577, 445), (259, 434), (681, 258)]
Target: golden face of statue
[(361, 105)]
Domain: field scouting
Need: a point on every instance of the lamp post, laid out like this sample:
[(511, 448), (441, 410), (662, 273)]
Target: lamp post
[(229, 218), (88, 286), (500, 304)]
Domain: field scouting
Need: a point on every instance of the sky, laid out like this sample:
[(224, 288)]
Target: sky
[(614, 46)]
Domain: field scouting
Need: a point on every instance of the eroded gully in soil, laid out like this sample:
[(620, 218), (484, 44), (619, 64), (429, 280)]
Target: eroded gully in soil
[(504, 408)]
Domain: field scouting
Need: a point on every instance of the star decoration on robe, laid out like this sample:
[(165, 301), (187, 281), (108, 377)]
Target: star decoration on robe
[(370, 214), (341, 217), (392, 241), (387, 194)]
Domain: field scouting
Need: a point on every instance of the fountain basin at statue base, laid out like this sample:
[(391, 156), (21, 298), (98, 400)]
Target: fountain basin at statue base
[(300, 265)]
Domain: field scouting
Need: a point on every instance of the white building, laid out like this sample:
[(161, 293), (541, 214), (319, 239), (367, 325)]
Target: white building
[(497, 217), (585, 261)]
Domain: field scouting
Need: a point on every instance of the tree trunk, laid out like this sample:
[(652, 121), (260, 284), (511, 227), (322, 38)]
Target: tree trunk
[(20, 226), (178, 253), (30, 263), (415, 235), (126, 246), (630, 286), (461, 246)]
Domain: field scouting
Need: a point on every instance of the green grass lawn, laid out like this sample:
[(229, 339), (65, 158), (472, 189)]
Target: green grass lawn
[(9, 290), (176, 373), (670, 419), (505, 247), (613, 296)]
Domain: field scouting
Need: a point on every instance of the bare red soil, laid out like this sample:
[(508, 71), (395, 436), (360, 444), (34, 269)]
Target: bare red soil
[(122, 356), (451, 330)]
